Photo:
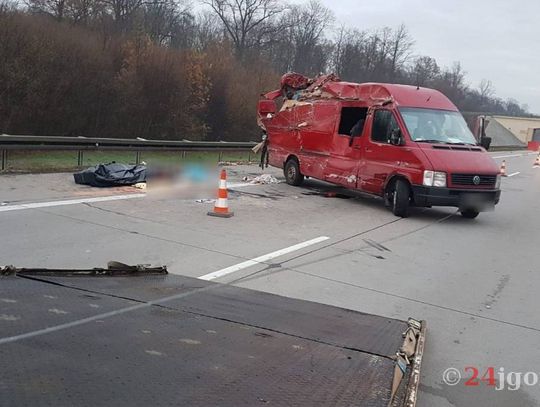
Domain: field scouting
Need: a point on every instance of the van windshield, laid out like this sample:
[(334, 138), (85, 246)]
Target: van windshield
[(437, 126)]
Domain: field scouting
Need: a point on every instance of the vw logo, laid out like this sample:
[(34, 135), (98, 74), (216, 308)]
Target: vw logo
[(476, 180)]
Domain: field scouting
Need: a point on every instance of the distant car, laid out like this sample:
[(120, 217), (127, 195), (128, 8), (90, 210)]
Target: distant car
[(407, 144)]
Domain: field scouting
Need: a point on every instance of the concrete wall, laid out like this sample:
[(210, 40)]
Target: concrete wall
[(521, 127), (501, 136)]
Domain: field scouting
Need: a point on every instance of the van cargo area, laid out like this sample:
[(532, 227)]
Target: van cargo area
[(173, 340)]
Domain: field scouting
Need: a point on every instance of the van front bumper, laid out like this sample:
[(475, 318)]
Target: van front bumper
[(480, 199)]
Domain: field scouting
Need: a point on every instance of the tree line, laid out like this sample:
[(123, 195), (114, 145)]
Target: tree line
[(169, 69)]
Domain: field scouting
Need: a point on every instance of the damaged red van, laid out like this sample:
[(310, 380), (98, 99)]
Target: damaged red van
[(407, 144)]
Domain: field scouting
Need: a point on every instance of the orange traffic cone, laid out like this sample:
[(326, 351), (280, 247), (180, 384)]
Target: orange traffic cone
[(221, 208), (537, 161), (503, 169)]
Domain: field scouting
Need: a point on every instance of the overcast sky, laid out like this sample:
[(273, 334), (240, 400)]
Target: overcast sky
[(497, 40)]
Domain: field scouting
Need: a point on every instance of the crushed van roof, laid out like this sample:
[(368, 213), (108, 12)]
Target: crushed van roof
[(332, 87)]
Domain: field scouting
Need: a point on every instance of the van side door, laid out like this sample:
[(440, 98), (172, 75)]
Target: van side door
[(346, 149), (379, 158)]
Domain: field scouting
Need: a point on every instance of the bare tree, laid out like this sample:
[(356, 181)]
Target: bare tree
[(242, 18), (400, 50), (486, 89), (54, 8), (424, 71), (208, 30), (122, 11), (168, 22), (307, 25)]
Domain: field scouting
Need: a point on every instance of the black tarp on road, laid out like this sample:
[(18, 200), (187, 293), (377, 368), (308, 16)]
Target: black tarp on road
[(111, 175), (178, 341)]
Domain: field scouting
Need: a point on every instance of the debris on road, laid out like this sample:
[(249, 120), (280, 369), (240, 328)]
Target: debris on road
[(114, 268), (140, 185), (262, 179), (111, 175)]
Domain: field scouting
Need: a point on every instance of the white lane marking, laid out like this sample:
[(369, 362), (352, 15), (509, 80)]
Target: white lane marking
[(515, 173), (261, 259), (239, 185), (514, 155), (35, 205), (101, 317), (508, 156)]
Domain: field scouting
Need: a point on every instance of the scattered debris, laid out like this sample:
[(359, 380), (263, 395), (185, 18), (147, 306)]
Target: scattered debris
[(154, 352), (140, 185), (6, 317), (58, 311), (262, 179), (205, 201), (190, 341), (114, 268)]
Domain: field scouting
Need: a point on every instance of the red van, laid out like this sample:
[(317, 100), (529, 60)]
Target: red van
[(407, 144)]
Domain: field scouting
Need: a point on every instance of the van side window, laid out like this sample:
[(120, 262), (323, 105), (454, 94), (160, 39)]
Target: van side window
[(383, 124), (352, 121)]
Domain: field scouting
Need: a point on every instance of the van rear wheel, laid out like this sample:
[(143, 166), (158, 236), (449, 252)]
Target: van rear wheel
[(401, 198), (293, 176), (469, 213)]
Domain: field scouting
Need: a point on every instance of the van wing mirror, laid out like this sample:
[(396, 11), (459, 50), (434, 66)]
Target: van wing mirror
[(396, 137), (485, 142)]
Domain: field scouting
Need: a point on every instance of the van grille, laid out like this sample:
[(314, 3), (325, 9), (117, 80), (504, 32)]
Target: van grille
[(468, 179)]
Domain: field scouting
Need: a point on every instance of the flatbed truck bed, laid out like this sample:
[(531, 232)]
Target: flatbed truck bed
[(168, 340)]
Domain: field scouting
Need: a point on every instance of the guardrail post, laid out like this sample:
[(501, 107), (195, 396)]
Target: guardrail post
[(249, 157), (137, 157), (220, 156), (4, 159), (80, 158)]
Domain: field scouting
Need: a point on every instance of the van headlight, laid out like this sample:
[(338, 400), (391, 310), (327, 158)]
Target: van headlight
[(498, 182), (434, 179)]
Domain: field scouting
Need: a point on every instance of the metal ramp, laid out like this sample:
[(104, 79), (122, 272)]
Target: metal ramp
[(169, 340)]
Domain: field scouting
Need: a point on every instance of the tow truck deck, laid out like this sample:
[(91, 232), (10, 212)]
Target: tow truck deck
[(174, 340)]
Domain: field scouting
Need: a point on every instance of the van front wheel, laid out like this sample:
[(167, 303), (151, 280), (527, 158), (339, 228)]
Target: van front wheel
[(401, 198), (469, 213), (293, 176)]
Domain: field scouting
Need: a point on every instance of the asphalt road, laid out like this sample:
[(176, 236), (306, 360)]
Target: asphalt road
[(475, 282)]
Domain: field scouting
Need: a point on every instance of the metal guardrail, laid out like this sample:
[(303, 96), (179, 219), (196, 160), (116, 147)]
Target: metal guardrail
[(82, 144)]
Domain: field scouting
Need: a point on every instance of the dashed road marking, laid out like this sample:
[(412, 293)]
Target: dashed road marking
[(513, 155), (262, 259), (139, 306)]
